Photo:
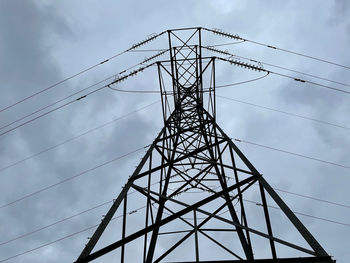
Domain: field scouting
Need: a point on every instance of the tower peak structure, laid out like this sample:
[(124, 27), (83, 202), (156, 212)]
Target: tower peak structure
[(192, 184)]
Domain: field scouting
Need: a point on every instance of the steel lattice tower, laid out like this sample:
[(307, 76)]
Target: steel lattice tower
[(193, 180)]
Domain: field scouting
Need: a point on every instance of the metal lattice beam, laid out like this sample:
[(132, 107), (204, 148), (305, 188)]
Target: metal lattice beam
[(192, 153)]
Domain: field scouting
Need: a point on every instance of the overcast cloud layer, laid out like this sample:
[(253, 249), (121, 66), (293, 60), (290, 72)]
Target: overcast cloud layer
[(43, 42)]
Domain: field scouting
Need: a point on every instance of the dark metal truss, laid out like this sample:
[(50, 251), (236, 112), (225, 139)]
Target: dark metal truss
[(193, 180)]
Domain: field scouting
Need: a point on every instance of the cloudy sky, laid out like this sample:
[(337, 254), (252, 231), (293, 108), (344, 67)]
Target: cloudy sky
[(44, 42)]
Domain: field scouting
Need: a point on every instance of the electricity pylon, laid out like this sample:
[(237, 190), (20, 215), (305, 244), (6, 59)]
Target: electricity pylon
[(193, 181)]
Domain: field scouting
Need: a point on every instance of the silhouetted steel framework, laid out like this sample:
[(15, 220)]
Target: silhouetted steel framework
[(192, 182)]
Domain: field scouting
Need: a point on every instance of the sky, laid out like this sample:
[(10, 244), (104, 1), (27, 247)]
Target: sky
[(44, 42)]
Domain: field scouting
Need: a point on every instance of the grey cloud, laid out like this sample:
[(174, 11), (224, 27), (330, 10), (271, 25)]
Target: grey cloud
[(41, 43)]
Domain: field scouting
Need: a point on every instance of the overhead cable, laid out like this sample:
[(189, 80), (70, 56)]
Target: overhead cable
[(285, 112), (54, 103), (313, 198), (66, 237), (84, 89), (71, 177), (259, 67), (236, 62), (303, 214), (293, 153), (204, 90), (105, 203), (136, 210), (54, 223), (241, 82), (77, 136), (211, 48), (132, 48), (66, 218), (116, 80), (237, 37)]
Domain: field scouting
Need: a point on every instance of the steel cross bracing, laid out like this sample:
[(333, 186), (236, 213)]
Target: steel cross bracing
[(192, 182)]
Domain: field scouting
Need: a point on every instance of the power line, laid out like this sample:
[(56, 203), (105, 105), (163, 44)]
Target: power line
[(226, 44), (311, 82), (45, 113), (260, 68), (136, 91), (53, 224), (60, 82), (158, 92), (97, 206), (132, 91), (136, 210), (71, 177), (164, 50), (292, 153), (304, 196), (152, 38), (49, 243), (66, 218), (135, 46), (102, 204), (303, 214), (119, 79), (81, 90), (292, 70), (50, 111), (285, 112), (78, 136), (236, 37), (313, 198), (242, 82), (67, 236), (54, 103), (209, 47)]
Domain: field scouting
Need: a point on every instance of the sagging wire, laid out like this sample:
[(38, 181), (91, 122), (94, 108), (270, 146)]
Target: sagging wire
[(120, 78), (242, 82), (205, 90)]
